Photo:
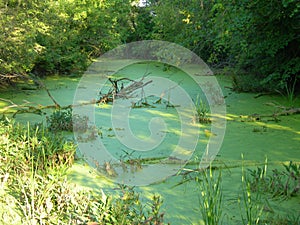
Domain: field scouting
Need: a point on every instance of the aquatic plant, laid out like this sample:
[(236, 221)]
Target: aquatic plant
[(60, 120), (128, 209), (259, 129), (20, 144), (80, 123), (251, 204), (289, 89), (293, 218), (53, 200), (64, 120), (211, 197), (202, 111), (128, 160), (252, 200), (284, 183)]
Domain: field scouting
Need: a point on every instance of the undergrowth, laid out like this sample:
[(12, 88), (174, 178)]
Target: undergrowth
[(34, 188), (257, 190), (279, 183)]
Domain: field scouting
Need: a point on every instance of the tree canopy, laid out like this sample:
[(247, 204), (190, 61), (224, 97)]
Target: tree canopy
[(258, 39)]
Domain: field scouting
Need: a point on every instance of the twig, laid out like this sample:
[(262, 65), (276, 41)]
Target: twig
[(282, 113), (29, 107), (55, 102), (123, 92), (41, 84)]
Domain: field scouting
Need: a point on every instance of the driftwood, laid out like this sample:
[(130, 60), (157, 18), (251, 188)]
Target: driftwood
[(29, 107), (26, 107), (119, 91), (281, 111)]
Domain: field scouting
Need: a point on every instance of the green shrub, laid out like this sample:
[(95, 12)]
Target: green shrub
[(34, 188), (64, 120), (60, 120), (22, 147), (53, 200)]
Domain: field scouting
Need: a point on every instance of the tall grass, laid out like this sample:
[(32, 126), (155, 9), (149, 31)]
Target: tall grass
[(251, 203), (34, 188), (257, 187), (211, 197)]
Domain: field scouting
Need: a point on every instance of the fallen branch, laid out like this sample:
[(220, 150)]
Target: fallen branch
[(34, 108), (29, 107), (119, 91), (256, 116), (11, 79), (42, 85), (287, 112)]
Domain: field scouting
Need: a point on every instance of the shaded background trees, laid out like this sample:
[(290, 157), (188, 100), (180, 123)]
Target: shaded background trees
[(48, 37), (258, 40)]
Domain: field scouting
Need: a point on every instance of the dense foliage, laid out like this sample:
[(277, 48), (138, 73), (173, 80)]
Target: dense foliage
[(258, 39), (47, 37), (35, 189)]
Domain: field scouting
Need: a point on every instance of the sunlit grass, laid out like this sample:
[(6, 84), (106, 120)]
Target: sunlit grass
[(36, 190)]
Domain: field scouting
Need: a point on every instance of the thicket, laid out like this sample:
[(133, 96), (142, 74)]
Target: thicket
[(59, 36), (258, 40), (35, 189)]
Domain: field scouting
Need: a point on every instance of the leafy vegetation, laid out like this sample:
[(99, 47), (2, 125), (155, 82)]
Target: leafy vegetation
[(202, 111), (23, 147), (60, 120), (34, 188), (48, 37), (255, 39), (279, 183)]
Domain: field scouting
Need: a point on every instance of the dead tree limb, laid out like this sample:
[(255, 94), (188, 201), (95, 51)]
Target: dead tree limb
[(274, 116), (119, 91), (287, 112), (41, 84), (30, 107)]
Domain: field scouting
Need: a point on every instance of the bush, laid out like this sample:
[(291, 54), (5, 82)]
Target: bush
[(23, 148), (34, 188), (249, 83), (60, 120), (59, 37)]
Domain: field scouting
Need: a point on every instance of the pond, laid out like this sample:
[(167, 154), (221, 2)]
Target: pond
[(257, 139)]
